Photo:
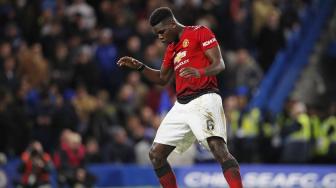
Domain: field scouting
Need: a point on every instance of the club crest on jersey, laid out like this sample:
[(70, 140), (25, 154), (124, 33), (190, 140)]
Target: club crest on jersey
[(185, 43), (179, 56)]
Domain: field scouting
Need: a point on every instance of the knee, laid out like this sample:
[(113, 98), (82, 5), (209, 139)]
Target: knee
[(156, 157), (221, 154), (219, 149)]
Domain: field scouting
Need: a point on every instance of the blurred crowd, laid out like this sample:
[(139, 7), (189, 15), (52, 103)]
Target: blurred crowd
[(60, 86)]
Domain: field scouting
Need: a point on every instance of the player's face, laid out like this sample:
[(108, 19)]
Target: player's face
[(165, 32)]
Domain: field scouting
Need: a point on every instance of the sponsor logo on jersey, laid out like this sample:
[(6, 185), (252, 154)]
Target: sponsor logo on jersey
[(208, 42), (181, 63), (179, 56), (185, 43)]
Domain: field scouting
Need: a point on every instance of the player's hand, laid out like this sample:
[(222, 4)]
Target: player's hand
[(187, 72), (129, 62)]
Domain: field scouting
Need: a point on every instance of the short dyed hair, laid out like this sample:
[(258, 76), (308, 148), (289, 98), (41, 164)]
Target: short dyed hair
[(159, 15)]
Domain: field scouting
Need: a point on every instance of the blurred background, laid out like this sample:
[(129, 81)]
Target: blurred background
[(69, 117)]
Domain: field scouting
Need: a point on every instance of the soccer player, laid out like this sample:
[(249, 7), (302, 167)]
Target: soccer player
[(194, 57)]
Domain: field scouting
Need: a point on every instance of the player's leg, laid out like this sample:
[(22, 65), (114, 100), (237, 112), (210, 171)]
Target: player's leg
[(209, 126), (228, 163), (173, 133), (158, 155)]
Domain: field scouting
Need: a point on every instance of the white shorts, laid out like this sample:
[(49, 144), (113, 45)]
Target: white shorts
[(201, 118)]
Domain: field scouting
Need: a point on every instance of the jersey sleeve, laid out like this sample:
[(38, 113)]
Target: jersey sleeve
[(206, 38), (167, 60)]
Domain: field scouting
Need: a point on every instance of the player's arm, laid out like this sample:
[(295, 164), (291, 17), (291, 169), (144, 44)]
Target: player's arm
[(216, 65), (216, 61), (160, 77)]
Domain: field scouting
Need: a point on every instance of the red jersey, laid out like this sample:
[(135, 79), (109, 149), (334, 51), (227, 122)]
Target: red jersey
[(189, 51)]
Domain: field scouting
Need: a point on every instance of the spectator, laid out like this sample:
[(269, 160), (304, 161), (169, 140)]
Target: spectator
[(137, 130), (297, 135), (5, 121), (153, 97), (144, 32), (272, 31), (51, 34), (142, 138), (232, 110), (61, 67), (134, 47), (5, 52), (85, 104), (122, 27), (21, 129), (241, 30), (84, 10), (83, 179), (70, 158), (35, 167), (64, 117), (33, 66), (140, 89), (247, 71), (147, 115), (12, 35), (260, 12), (105, 14), (8, 76), (93, 153), (120, 149), (102, 118), (106, 55), (45, 108), (85, 70), (152, 57), (126, 102)]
